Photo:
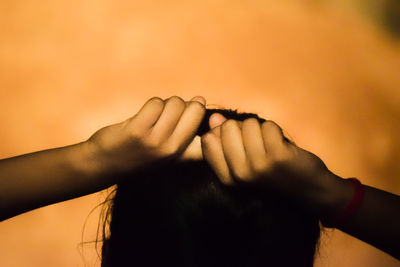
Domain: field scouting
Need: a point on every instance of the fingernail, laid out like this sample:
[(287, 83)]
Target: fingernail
[(199, 99), (216, 119)]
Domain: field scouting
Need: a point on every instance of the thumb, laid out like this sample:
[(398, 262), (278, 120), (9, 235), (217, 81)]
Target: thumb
[(216, 119)]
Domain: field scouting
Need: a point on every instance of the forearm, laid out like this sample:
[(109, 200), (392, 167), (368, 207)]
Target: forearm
[(375, 222), (45, 177)]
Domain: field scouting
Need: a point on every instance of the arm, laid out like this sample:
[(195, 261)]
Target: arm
[(45, 177), (247, 153), (158, 133), (375, 222)]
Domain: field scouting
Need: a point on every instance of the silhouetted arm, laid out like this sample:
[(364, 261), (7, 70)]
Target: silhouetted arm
[(161, 131), (249, 152), (376, 221), (45, 177)]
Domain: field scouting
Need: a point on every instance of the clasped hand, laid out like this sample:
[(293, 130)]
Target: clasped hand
[(238, 152)]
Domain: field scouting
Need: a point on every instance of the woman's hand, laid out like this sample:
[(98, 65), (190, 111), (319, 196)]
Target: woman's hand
[(160, 131), (247, 153)]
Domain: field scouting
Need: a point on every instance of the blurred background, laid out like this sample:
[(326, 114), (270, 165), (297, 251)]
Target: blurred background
[(328, 72)]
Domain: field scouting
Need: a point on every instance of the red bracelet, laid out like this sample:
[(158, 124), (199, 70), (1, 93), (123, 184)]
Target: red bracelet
[(354, 204)]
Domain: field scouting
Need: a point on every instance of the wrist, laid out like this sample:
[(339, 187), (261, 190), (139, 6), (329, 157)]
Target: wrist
[(338, 195), (84, 161)]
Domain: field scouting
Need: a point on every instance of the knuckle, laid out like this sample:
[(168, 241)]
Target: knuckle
[(151, 143), (176, 99), (250, 121), (281, 157), (228, 123), (268, 124), (157, 100), (135, 134), (197, 105), (262, 168), (273, 124), (177, 102), (169, 150), (227, 181), (240, 174)]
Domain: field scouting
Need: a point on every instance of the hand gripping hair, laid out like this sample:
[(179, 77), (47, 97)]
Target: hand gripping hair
[(182, 215)]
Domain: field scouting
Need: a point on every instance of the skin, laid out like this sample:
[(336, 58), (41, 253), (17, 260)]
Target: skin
[(161, 131), (240, 153), (249, 153), (253, 154)]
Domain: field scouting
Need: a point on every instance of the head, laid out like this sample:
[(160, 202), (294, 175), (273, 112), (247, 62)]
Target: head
[(182, 215)]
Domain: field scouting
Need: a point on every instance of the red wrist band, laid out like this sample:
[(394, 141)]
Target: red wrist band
[(354, 204)]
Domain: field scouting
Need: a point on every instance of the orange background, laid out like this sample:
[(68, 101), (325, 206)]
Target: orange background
[(325, 73)]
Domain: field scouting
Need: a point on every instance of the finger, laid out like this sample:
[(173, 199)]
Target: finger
[(200, 99), (217, 129), (213, 153), (216, 119), (188, 123), (147, 115), (272, 136), (234, 151), (254, 144), (193, 151), (168, 120)]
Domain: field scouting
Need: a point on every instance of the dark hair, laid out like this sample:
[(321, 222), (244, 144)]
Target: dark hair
[(182, 215)]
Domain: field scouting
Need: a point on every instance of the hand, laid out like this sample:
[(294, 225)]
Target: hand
[(247, 153), (159, 132)]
